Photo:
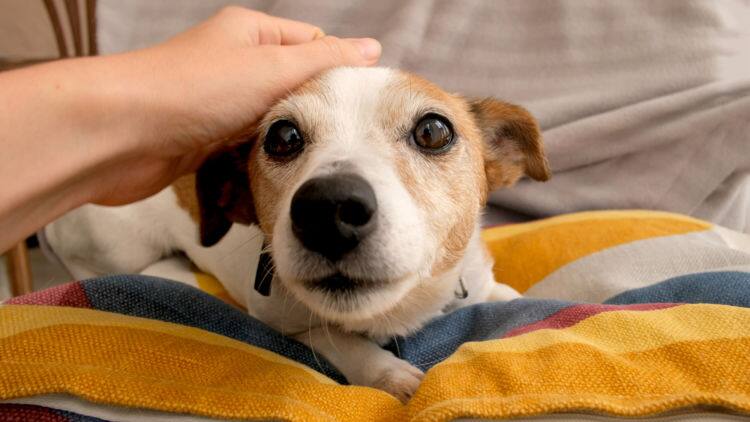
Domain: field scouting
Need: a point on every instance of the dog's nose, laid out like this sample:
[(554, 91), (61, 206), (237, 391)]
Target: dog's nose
[(332, 214)]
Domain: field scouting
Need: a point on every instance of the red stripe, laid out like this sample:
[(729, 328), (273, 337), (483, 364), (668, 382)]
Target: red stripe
[(574, 314), (24, 412), (68, 294)]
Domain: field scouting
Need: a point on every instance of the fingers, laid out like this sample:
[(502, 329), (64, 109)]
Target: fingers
[(306, 40), (309, 59), (267, 29), (289, 32)]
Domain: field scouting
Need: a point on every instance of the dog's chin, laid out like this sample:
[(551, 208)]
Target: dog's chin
[(340, 298)]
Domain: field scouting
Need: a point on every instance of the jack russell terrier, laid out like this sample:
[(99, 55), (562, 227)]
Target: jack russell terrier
[(365, 185)]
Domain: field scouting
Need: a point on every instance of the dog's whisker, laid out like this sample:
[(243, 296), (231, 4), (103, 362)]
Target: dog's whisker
[(328, 334), (266, 249), (310, 339), (283, 311), (294, 303), (395, 340), (270, 271), (240, 246), (387, 319)]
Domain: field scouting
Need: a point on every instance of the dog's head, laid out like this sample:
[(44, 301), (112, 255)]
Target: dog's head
[(368, 182)]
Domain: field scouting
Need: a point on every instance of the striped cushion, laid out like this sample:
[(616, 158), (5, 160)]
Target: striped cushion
[(657, 343)]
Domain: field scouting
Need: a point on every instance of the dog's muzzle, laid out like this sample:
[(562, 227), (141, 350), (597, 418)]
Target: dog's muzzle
[(331, 215)]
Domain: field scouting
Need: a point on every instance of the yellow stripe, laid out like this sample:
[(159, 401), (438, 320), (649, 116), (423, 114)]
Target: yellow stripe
[(583, 378), (603, 364), (501, 232), (625, 331), (19, 318), (526, 253), (212, 286), (137, 367)]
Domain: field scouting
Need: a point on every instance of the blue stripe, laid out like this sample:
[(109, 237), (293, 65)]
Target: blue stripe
[(442, 336), (165, 300), (721, 287)]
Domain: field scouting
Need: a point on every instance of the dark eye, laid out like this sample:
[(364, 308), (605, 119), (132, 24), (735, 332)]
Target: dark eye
[(433, 133), (283, 139)]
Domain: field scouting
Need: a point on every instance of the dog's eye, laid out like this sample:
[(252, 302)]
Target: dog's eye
[(433, 133), (283, 139)]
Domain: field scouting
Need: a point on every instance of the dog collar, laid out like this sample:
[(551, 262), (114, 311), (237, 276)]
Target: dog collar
[(461, 292), (264, 274)]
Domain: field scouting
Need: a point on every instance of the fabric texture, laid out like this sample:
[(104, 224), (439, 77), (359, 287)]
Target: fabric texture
[(677, 345), (25, 412), (643, 104)]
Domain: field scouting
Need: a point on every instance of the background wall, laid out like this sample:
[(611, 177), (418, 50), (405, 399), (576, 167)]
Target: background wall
[(25, 31)]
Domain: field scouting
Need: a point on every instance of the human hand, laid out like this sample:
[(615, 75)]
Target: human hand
[(171, 105)]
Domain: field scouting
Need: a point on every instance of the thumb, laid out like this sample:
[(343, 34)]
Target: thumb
[(313, 57)]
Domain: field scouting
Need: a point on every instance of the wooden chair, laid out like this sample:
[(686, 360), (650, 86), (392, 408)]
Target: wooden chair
[(73, 23), (19, 270)]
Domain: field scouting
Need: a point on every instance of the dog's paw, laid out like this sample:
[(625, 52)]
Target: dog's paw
[(400, 379)]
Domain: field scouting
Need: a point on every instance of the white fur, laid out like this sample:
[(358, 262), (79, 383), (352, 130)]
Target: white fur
[(348, 122)]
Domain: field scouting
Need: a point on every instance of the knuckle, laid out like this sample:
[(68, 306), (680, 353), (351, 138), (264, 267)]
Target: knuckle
[(334, 46)]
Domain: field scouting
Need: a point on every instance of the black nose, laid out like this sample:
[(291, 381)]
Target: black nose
[(331, 215)]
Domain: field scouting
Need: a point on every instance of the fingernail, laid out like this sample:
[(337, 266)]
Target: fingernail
[(369, 48), (319, 33)]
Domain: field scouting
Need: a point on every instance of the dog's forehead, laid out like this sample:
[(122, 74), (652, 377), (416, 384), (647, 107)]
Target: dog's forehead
[(362, 88), (354, 88), (343, 97)]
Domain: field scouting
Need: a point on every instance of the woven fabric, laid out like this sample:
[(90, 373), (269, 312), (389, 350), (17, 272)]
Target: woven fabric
[(10, 412), (144, 342)]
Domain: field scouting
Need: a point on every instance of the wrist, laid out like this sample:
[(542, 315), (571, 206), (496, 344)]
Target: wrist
[(105, 111)]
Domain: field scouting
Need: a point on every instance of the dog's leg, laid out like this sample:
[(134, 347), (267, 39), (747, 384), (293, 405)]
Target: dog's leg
[(363, 362), (502, 292), (175, 268), (78, 271)]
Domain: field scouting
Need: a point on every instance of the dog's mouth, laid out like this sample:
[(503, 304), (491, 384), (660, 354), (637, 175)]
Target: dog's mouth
[(339, 284), (339, 296)]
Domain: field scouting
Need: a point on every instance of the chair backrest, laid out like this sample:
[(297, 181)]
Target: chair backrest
[(74, 25)]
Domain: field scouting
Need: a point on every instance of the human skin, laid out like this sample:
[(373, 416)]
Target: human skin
[(116, 129)]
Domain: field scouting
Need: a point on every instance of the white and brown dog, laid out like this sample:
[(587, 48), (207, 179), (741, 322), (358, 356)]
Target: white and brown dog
[(367, 186)]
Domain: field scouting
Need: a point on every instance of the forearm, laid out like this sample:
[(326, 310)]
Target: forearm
[(54, 135)]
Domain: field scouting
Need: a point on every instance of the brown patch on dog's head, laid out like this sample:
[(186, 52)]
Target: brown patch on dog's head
[(499, 143), (187, 199), (265, 192), (450, 188), (223, 193)]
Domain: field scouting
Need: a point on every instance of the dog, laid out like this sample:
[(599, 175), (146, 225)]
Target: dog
[(364, 188)]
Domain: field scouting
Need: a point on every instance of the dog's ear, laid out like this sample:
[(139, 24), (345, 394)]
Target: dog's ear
[(512, 143), (223, 190)]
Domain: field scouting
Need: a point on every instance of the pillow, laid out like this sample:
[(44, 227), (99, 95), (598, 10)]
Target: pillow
[(100, 348)]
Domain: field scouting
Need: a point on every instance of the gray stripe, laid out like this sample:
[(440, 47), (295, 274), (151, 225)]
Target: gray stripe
[(596, 277)]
